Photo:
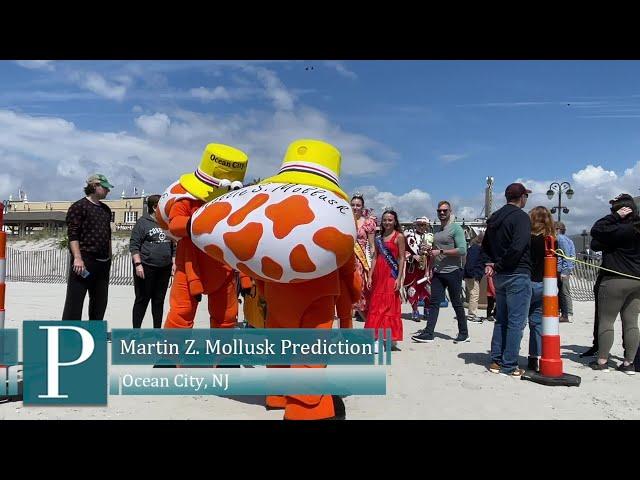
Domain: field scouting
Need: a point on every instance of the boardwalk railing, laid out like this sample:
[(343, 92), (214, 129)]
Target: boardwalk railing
[(583, 278), (52, 266)]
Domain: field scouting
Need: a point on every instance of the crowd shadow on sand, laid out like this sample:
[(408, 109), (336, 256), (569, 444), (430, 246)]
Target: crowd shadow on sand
[(484, 359), (576, 350)]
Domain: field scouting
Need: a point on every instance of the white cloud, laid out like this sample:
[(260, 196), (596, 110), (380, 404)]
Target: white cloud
[(207, 95), (341, 69), (168, 145), (452, 157), (37, 64), (274, 89), (97, 84), (593, 187), (408, 206), (155, 125), (594, 176)]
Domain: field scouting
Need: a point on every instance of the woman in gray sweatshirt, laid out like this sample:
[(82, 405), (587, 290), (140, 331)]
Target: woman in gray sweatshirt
[(153, 256)]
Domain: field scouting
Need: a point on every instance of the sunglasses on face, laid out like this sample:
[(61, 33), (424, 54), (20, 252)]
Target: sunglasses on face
[(443, 211)]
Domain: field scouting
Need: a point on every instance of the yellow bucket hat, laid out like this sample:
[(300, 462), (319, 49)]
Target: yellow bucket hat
[(221, 169), (311, 162)]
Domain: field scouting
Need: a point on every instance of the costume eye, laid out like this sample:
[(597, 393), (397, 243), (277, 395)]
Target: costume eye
[(236, 185), (225, 183)]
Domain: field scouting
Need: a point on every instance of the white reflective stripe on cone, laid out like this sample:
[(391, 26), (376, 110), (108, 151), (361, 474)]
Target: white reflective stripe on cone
[(550, 326), (550, 287)]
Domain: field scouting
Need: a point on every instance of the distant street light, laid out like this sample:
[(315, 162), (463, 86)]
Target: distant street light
[(560, 187)]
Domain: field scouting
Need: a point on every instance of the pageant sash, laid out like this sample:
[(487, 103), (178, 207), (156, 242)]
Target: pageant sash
[(387, 255)]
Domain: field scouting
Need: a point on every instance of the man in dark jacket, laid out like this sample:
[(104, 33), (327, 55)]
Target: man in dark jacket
[(506, 244), (153, 255)]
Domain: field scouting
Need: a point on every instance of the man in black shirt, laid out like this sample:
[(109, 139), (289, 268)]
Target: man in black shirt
[(89, 232)]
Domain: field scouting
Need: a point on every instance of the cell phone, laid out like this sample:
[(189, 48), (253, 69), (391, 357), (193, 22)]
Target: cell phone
[(85, 273)]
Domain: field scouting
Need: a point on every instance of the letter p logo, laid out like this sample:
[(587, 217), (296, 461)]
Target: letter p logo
[(65, 363)]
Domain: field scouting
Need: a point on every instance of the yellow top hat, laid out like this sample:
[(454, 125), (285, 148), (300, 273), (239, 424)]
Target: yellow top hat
[(221, 169), (311, 162)]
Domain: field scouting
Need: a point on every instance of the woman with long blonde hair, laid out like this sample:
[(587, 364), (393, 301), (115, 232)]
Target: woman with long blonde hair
[(541, 227)]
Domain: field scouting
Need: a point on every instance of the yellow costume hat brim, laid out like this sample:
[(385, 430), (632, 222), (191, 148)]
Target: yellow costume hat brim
[(304, 178), (218, 162), (311, 162)]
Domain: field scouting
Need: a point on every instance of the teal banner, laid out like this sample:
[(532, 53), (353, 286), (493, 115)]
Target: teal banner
[(65, 363), (246, 346), (8, 346), (251, 381)]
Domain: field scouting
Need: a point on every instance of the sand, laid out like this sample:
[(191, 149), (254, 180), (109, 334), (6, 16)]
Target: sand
[(440, 380)]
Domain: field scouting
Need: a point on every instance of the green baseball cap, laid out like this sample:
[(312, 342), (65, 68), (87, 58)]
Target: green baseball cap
[(101, 179)]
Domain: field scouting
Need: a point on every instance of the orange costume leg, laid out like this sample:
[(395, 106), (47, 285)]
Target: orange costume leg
[(182, 306), (223, 306), (319, 314), (344, 309)]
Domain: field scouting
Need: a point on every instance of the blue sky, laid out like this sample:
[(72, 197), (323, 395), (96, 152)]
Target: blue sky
[(411, 132)]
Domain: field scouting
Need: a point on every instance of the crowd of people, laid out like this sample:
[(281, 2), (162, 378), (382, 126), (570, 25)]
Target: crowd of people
[(387, 267)]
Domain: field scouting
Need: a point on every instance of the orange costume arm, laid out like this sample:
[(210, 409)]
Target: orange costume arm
[(350, 278), (245, 281), (178, 218)]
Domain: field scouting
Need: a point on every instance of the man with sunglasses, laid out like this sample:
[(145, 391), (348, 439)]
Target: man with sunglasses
[(506, 244), (89, 233), (449, 246)]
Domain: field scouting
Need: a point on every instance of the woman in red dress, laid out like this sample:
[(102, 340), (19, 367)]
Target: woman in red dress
[(385, 279)]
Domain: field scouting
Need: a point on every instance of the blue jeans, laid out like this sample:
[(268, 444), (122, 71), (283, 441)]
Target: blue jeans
[(513, 297), (535, 320)]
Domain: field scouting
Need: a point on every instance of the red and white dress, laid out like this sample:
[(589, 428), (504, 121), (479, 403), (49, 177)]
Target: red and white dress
[(368, 226)]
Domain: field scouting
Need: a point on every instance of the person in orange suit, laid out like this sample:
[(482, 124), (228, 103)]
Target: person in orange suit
[(350, 290), (221, 169), (312, 303)]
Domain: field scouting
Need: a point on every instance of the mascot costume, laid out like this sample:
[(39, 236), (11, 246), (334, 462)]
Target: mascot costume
[(221, 170), (293, 234)]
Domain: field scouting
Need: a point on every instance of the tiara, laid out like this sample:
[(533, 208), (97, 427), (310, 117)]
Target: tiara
[(357, 194), (388, 208)]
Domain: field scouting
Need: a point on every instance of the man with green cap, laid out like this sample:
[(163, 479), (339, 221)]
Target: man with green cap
[(89, 232)]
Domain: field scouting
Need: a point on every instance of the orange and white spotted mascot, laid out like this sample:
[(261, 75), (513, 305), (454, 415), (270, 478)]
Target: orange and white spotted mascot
[(221, 170), (294, 234)]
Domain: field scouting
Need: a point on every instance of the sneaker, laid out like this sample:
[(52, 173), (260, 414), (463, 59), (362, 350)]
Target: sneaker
[(517, 373), (491, 318), (417, 332), (602, 367), (423, 337), (565, 320), (462, 339), (494, 367), (415, 316), (532, 364), (473, 318), (592, 352), (628, 369)]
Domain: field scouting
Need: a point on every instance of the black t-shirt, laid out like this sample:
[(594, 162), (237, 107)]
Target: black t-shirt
[(90, 225)]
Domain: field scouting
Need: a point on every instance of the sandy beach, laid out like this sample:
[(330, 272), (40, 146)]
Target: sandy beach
[(440, 380)]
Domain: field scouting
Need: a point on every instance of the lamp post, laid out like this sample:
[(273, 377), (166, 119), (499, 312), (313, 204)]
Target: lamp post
[(560, 188)]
